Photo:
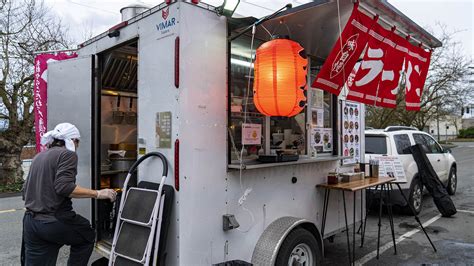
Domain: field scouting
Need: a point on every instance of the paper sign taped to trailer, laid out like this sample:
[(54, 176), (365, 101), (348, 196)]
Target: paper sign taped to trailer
[(163, 130), (251, 134)]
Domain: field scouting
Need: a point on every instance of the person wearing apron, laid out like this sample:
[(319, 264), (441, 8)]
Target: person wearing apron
[(50, 221)]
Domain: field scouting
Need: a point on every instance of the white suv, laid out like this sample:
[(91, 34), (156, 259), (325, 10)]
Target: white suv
[(393, 141)]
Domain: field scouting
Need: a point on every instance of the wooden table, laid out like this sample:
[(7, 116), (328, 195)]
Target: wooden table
[(361, 185), (354, 186), (358, 184)]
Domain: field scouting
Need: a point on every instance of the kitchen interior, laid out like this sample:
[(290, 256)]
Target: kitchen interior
[(118, 127)]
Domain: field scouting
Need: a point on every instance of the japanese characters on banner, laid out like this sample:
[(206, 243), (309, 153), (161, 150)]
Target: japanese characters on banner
[(375, 81), (351, 131), (393, 64), (366, 81), (345, 53), (41, 92), (417, 63)]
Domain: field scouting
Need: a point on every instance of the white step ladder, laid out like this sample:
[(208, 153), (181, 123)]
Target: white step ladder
[(140, 216)]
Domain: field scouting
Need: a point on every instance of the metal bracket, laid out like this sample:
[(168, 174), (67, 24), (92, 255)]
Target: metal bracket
[(229, 222)]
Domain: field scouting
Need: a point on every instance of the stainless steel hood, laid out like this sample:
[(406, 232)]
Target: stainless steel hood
[(120, 70)]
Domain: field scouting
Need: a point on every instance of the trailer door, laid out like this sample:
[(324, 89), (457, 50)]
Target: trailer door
[(70, 92)]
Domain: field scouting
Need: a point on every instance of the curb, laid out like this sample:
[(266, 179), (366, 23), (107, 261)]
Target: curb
[(9, 194), (448, 146)]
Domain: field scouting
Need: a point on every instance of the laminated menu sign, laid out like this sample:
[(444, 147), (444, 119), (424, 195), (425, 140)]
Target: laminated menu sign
[(317, 116), (251, 134), (163, 130), (391, 166), (321, 139), (351, 131), (317, 99)]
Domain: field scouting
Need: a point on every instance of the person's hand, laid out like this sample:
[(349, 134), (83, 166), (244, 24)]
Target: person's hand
[(107, 193)]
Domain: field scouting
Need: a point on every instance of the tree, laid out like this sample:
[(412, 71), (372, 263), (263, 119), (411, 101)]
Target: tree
[(445, 90), (26, 26)]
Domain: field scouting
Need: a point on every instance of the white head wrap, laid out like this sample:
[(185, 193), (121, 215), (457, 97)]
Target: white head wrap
[(63, 131)]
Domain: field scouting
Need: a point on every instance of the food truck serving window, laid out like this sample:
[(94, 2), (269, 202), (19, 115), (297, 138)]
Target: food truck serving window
[(307, 133), (321, 110)]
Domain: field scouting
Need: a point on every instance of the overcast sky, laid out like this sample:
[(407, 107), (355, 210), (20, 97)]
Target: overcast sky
[(91, 17)]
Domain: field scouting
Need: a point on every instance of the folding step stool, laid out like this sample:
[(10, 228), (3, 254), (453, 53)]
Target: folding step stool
[(139, 217)]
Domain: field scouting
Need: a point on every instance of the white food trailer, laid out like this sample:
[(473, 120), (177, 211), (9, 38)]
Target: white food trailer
[(174, 68)]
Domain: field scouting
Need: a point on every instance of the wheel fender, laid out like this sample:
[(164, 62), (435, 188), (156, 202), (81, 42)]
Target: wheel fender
[(269, 243), (453, 166), (412, 170)]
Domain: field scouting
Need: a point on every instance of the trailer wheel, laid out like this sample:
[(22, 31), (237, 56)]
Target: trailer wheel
[(299, 248)]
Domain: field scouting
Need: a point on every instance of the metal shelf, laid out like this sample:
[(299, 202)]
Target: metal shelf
[(113, 172), (258, 165), (119, 93)]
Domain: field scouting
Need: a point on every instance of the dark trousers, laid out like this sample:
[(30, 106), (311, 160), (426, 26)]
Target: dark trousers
[(43, 239)]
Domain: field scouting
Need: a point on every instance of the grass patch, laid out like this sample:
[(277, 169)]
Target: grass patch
[(463, 140), (445, 142), (14, 187)]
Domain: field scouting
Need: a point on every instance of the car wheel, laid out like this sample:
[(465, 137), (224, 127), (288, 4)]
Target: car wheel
[(416, 197), (299, 248), (452, 181)]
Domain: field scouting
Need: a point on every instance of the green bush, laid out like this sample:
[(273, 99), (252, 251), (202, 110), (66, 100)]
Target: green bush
[(14, 187), (466, 133)]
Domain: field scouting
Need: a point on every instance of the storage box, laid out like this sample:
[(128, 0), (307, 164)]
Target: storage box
[(348, 177)]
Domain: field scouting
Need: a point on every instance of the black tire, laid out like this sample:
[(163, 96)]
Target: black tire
[(452, 181), (415, 198), (299, 237)]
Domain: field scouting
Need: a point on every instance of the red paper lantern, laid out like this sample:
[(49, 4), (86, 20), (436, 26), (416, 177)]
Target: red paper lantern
[(280, 78)]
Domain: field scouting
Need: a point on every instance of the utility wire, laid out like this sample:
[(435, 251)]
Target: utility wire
[(92, 7), (252, 4)]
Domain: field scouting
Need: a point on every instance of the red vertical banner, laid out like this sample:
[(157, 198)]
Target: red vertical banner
[(41, 92), (364, 86), (397, 48), (417, 63), (345, 53)]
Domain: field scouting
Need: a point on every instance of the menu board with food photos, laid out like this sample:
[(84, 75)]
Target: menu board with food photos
[(321, 139), (351, 131)]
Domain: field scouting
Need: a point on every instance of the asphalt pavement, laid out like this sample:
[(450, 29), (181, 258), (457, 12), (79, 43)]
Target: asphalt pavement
[(11, 215), (453, 237)]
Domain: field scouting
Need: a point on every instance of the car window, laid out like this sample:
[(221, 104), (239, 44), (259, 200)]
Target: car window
[(375, 144), (402, 142), (431, 145), (419, 139)]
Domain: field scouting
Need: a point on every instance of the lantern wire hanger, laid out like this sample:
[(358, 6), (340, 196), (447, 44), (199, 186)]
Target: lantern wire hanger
[(260, 21), (253, 27), (278, 27), (246, 101), (269, 33)]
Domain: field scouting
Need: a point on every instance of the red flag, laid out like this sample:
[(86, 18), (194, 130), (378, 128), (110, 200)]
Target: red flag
[(417, 63), (340, 62), (365, 85), (40, 92), (397, 48)]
